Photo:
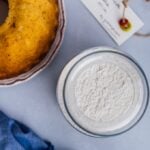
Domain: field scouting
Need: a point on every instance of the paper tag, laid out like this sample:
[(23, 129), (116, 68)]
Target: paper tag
[(108, 13)]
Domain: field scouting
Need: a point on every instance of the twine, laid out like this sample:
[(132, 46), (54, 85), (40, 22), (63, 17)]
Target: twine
[(140, 34)]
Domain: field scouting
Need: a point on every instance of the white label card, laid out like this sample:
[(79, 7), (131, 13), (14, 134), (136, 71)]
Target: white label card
[(108, 13)]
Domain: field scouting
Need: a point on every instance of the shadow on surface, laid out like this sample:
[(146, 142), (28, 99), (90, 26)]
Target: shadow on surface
[(3, 11), (64, 148)]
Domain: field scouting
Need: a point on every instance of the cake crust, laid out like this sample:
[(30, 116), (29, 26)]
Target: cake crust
[(26, 35)]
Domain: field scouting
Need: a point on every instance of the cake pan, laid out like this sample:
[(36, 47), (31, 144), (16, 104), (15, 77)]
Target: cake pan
[(48, 58)]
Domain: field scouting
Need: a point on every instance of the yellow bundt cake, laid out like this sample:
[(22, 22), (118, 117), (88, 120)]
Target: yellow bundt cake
[(26, 35)]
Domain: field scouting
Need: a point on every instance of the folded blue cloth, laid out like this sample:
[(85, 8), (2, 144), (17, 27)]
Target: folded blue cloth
[(15, 136)]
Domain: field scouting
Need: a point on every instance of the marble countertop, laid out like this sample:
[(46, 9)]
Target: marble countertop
[(34, 103)]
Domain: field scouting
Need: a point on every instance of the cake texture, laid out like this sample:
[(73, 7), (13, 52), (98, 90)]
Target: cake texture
[(26, 35)]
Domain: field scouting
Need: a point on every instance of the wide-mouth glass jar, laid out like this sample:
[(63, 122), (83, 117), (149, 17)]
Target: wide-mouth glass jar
[(103, 92)]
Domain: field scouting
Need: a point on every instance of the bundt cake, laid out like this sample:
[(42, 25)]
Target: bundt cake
[(26, 35)]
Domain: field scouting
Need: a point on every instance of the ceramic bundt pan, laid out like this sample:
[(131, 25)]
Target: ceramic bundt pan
[(48, 58)]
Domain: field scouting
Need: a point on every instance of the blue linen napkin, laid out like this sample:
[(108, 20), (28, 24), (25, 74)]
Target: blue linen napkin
[(15, 136)]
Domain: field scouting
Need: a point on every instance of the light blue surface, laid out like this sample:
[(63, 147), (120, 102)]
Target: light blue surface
[(34, 103)]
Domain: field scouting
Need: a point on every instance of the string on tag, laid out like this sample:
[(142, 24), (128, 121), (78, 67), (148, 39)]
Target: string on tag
[(126, 4)]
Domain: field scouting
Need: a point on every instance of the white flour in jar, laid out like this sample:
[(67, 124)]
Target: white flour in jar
[(104, 92), (107, 94)]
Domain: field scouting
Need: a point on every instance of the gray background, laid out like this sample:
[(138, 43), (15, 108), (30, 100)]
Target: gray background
[(34, 103)]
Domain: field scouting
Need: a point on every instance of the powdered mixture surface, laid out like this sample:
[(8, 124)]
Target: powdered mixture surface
[(104, 92)]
